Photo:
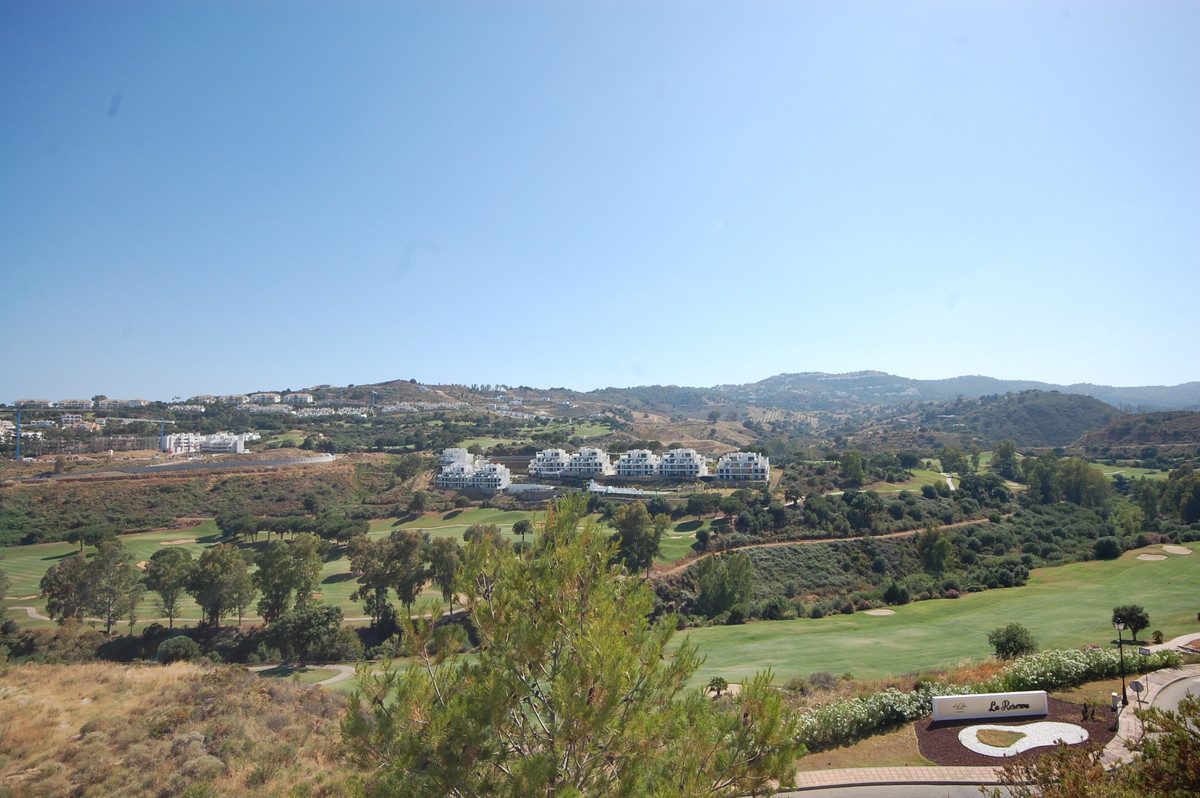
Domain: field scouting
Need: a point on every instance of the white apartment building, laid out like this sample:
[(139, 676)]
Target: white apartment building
[(43, 403), (182, 443), (264, 398), (588, 462), (450, 457), (683, 464), (638, 463), (80, 404), (548, 463), (234, 399), (203, 399), (224, 443), (70, 419), (297, 398), (218, 443), (462, 470), (493, 477), (455, 476), (744, 467)]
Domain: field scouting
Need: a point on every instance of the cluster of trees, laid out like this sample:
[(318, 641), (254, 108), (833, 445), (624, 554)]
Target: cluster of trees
[(223, 580), (403, 563)]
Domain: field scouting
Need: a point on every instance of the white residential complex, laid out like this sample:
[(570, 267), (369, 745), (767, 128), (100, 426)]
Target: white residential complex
[(638, 463), (672, 464), (744, 467), (218, 443), (589, 463), (462, 470), (683, 464), (548, 463)]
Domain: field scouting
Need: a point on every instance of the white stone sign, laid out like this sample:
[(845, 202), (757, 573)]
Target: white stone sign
[(990, 705)]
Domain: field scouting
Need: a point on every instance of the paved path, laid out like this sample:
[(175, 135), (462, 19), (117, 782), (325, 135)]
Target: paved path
[(343, 672)]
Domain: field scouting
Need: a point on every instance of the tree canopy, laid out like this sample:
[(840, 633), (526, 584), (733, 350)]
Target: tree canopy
[(572, 693)]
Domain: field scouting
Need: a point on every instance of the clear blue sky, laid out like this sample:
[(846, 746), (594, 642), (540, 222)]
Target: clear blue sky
[(209, 197)]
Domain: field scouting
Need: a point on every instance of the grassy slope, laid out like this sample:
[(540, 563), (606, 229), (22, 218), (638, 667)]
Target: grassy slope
[(103, 729), (1064, 607)]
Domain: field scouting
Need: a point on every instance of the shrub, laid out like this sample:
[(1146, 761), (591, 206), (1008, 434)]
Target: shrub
[(736, 615), (776, 608), (1107, 548), (176, 649), (1157, 635), (1012, 641)]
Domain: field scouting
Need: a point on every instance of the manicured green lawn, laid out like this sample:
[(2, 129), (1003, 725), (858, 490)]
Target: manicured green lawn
[(1129, 472), (1064, 607), (920, 477), (302, 675)]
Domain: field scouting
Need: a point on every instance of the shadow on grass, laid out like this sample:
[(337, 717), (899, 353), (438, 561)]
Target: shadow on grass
[(282, 671), (451, 514), (335, 578), (688, 526), (66, 556)]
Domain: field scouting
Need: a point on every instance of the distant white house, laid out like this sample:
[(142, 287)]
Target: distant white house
[(638, 463), (744, 467), (683, 464)]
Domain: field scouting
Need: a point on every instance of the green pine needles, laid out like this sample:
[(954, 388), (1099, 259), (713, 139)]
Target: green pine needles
[(573, 693)]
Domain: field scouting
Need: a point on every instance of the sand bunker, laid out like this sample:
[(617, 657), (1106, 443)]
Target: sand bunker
[(1150, 557), (879, 612), (1176, 549), (143, 564), (1036, 735)]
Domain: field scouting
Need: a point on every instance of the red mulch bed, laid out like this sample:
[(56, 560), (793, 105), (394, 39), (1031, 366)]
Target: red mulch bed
[(938, 740)]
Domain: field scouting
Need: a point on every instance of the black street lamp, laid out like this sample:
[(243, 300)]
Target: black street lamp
[(1120, 625)]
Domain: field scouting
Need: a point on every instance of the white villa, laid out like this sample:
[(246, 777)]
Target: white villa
[(638, 463), (744, 467), (683, 464)]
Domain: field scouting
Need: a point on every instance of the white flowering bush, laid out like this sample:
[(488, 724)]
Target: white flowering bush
[(844, 722), (1053, 670)]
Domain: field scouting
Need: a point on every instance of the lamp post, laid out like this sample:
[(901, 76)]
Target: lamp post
[(1120, 626)]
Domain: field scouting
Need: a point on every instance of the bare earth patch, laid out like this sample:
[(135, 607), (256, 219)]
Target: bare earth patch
[(879, 612), (143, 564), (1152, 557)]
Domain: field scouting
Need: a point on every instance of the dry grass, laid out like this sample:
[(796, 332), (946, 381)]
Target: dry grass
[(998, 738), (104, 729), (894, 749)]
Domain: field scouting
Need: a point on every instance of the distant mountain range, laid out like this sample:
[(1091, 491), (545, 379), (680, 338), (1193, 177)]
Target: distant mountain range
[(821, 391)]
